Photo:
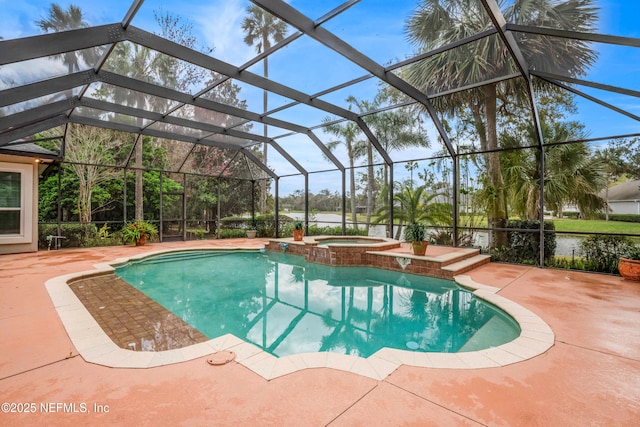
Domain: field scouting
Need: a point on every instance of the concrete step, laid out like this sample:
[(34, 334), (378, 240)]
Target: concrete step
[(457, 256), (488, 335), (466, 264)]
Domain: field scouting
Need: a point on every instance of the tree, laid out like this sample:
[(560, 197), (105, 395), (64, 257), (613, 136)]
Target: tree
[(621, 159), (436, 24), (572, 174), (141, 63), (64, 20), (622, 156), (262, 29), (87, 150), (349, 133), (414, 205)]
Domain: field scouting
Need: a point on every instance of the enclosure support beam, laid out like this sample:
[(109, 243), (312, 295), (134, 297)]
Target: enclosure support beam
[(500, 23), (253, 200), (218, 215), (592, 98), (291, 15), (46, 87), (43, 45), (59, 228), (391, 201), (456, 192), (277, 207), (152, 41), (124, 194), (30, 130), (344, 202), (161, 228), (184, 208), (306, 204)]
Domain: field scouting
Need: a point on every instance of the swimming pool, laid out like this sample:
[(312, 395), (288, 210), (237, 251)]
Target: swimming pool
[(286, 306)]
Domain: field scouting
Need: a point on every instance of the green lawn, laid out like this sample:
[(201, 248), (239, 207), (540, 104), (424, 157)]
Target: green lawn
[(596, 226)]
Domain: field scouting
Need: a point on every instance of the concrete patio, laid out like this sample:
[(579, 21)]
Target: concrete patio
[(591, 375)]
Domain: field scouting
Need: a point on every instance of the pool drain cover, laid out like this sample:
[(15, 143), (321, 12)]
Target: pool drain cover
[(412, 345), (221, 358)]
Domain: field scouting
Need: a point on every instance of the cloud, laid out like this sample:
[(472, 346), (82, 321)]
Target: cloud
[(220, 23), (31, 71)]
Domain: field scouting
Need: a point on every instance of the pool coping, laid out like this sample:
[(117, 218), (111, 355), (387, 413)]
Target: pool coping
[(95, 346)]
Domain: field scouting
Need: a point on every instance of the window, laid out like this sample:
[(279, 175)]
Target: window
[(16, 194)]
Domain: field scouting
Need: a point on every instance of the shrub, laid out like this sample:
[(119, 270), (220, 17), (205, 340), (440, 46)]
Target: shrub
[(197, 233), (232, 233), (235, 222), (444, 236), (112, 239), (601, 252), (523, 246), (572, 215), (567, 263), (265, 225), (76, 235), (136, 230), (633, 253), (621, 217), (315, 230)]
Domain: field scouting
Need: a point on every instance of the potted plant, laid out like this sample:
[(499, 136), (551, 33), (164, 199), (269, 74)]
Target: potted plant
[(629, 264), (253, 231), (298, 230), (416, 234), (138, 232)]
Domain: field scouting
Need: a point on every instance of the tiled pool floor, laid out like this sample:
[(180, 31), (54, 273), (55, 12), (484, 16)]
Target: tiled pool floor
[(131, 319)]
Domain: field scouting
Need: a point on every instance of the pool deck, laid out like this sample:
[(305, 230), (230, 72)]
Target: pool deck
[(590, 376)]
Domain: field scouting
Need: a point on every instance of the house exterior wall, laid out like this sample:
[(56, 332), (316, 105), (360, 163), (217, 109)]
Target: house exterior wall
[(28, 241), (624, 206)]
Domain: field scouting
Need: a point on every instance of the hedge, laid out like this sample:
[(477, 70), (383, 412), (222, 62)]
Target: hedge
[(524, 247), (601, 252), (621, 217), (75, 235)]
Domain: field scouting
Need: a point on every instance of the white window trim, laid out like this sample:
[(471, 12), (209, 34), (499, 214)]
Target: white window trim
[(26, 203)]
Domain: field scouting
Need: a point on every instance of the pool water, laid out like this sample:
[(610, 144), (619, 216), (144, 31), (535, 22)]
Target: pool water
[(325, 242), (285, 305)]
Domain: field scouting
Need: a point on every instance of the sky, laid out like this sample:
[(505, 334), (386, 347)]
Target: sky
[(376, 27)]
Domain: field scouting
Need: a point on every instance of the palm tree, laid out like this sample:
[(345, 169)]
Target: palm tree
[(395, 129), (398, 128), (414, 205), (438, 23), (572, 174), (64, 20), (262, 29), (349, 133)]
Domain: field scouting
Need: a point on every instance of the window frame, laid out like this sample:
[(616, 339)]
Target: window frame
[(26, 203)]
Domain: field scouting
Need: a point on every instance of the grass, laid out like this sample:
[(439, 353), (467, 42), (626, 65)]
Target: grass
[(596, 226)]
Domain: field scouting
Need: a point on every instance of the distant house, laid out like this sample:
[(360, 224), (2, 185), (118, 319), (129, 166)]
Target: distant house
[(20, 168), (624, 198)]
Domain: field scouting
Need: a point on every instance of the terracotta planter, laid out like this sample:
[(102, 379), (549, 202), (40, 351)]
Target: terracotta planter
[(141, 241), (298, 235), (419, 248), (629, 268)]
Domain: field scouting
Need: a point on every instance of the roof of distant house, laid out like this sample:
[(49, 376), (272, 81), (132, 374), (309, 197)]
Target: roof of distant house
[(629, 190)]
